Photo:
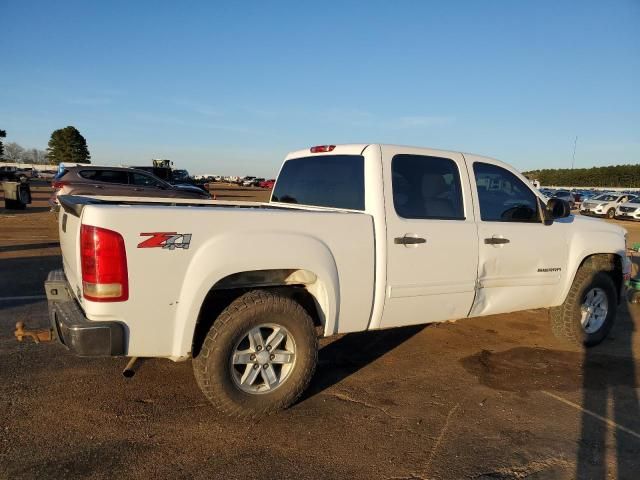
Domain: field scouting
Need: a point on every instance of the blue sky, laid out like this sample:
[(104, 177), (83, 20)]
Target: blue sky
[(231, 87)]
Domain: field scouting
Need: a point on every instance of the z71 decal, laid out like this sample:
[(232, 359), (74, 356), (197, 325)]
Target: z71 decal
[(168, 240)]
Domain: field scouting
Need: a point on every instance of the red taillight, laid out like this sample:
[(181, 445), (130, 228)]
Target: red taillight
[(57, 185), (322, 148), (104, 265)]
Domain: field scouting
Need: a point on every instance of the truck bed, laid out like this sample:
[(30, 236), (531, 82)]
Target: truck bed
[(168, 285)]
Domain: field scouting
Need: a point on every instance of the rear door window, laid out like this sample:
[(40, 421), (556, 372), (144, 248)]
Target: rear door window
[(426, 187), (107, 176), (325, 181)]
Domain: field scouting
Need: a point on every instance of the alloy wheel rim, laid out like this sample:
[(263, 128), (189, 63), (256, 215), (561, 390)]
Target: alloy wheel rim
[(263, 358), (594, 310)]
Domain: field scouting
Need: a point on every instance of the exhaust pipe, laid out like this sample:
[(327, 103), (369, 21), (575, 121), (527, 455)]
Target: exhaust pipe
[(130, 370)]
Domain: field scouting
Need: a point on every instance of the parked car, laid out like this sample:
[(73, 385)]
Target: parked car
[(14, 173), (268, 183), (629, 210), (15, 187), (246, 181), (588, 195), (118, 181), (356, 237), (567, 196), (47, 174), (605, 204)]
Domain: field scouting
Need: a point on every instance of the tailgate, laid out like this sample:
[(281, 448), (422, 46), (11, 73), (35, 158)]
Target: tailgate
[(69, 221)]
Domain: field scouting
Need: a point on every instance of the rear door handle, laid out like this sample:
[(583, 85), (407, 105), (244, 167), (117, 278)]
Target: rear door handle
[(406, 240), (496, 241)]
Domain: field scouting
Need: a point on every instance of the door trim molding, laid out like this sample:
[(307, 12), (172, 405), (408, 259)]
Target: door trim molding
[(403, 291)]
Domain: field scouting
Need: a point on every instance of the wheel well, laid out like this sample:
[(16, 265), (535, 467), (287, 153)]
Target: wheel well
[(223, 293), (610, 263)]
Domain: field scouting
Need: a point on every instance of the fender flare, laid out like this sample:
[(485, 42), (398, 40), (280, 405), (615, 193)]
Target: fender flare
[(583, 256), (230, 254)]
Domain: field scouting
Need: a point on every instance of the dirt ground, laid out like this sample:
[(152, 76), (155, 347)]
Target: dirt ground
[(489, 398)]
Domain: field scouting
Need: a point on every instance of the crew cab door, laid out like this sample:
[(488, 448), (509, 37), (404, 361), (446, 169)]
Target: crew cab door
[(432, 241), (521, 260)]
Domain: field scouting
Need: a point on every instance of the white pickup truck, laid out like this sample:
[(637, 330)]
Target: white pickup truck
[(355, 237)]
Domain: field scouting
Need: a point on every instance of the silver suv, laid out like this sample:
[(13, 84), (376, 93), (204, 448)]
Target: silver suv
[(119, 181), (605, 204)]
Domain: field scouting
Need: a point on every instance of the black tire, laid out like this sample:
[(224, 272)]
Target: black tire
[(212, 367), (611, 213), (14, 204), (565, 319)]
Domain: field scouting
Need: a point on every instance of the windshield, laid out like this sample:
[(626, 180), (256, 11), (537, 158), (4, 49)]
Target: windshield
[(606, 198)]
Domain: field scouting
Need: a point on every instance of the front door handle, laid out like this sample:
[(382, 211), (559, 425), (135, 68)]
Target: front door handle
[(496, 241), (408, 240)]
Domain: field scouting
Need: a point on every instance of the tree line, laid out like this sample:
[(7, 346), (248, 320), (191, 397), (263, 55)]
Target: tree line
[(65, 145), (611, 176)]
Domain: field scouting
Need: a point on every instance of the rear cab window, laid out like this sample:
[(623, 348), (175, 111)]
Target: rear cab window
[(426, 187), (335, 181)]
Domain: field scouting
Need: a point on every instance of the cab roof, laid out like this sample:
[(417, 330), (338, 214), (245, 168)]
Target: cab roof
[(358, 148)]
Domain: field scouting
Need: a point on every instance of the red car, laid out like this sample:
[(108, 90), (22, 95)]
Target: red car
[(267, 184)]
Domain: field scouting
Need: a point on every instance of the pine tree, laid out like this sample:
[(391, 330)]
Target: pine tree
[(68, 145), (625, 176)]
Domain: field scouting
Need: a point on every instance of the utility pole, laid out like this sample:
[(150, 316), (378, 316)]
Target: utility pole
[(573, 159)]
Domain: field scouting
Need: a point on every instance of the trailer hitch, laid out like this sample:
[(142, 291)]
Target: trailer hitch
[(38, 336)]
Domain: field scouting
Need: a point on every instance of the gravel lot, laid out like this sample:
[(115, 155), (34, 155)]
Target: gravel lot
[(489, 398)]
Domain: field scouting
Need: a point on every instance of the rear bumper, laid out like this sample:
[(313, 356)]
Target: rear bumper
[(80, 335)]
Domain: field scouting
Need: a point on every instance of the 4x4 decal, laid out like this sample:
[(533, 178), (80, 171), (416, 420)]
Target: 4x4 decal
[(168, 240)]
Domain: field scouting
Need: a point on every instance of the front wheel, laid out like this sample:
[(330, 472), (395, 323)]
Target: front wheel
[(587, 315), (611, 213), (258, 356)]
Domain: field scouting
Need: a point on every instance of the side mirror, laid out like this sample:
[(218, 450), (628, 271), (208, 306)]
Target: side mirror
[(556, 208)]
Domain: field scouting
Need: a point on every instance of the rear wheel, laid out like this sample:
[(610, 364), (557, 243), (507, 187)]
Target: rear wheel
[(588, 313), (258, 356)]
